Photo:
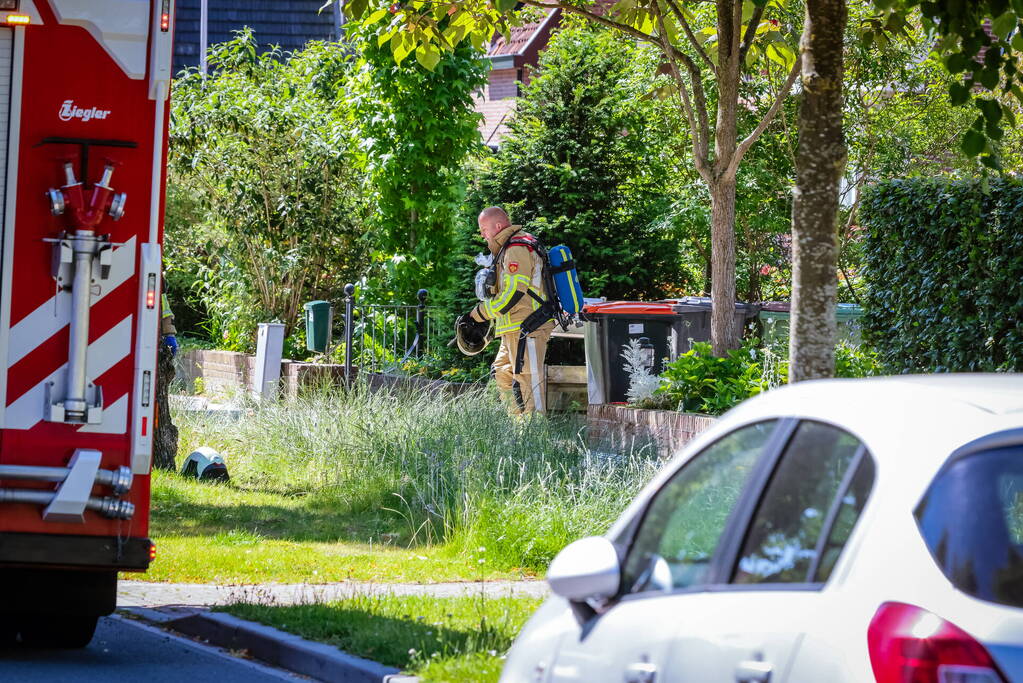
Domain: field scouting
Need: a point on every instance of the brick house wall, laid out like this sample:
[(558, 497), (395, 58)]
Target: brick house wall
[(512, 62)]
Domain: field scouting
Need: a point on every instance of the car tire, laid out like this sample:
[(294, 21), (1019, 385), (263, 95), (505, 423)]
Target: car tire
[(59, 631)]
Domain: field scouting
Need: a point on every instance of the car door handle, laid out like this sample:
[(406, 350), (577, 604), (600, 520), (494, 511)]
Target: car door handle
[(753, 671), (641, 672)]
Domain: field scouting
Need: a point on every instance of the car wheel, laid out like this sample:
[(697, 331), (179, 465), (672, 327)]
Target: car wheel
[(64, 631)]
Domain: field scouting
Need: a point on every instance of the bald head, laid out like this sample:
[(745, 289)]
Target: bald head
[(493, 220)]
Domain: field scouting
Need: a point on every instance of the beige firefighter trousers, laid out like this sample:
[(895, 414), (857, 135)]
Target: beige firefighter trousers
[(525, 392)]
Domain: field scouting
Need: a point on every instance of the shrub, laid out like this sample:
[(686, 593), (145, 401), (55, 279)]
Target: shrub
[(697, 381), (417, 126), (944, 265), (264, 152), (700, 382), (856, 361)]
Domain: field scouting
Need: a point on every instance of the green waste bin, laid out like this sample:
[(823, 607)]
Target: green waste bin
[(319, 319), (775, 318)]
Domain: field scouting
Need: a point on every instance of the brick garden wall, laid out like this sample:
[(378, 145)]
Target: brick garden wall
[(619, 427), (612, 427), (228, 372)]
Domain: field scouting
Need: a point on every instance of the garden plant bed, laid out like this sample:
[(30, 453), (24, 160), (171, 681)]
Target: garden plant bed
[(380, 381), (230, 372)]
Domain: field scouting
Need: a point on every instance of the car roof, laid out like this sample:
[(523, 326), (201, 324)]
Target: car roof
[(916, 420), (996, 393), (911, 424)]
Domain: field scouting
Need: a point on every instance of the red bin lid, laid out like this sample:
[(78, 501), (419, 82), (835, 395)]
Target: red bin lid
[(630, 308)]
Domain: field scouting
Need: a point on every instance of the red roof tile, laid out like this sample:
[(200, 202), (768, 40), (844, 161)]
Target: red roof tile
[(520, 38)]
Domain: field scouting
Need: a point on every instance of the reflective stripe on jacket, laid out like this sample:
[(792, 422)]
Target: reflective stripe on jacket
[(166, 317), (519, 272)]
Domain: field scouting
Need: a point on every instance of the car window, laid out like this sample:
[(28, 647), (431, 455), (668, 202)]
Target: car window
[(782, 543), (1010, 494), (972, 521), (685, 520), (849, 511)]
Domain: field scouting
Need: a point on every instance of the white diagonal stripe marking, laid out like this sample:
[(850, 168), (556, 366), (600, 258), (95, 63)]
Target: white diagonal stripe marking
[(55, 314), (115, 419), (103, 354)]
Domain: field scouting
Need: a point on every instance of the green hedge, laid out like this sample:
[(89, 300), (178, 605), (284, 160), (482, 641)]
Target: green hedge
[(944, 266)]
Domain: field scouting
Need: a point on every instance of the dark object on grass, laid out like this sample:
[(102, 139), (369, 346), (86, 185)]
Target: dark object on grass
[(205, 464)]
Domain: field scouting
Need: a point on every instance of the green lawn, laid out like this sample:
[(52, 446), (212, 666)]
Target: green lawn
[(215, 533), (351, 484), (446, 640)]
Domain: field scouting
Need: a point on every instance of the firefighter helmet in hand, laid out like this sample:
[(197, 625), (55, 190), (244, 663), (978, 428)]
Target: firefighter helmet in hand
[(472, 336)]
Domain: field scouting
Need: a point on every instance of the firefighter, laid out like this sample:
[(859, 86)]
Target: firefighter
[(518, 290), (167, 329)]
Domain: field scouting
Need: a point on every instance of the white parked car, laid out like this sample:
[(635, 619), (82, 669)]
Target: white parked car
[(826, 532)]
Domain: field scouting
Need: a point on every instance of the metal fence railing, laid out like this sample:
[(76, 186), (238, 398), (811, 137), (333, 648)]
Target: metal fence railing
[(382, 336)]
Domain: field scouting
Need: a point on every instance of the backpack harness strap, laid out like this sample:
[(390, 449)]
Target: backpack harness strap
[(547, 309)]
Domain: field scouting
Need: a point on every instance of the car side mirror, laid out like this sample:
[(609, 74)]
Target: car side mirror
[(587, 569)]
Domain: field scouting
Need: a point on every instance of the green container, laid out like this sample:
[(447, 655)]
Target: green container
[(319, 319), (776, 323)]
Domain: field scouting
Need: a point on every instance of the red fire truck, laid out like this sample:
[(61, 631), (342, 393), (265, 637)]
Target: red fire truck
[(83, 143)]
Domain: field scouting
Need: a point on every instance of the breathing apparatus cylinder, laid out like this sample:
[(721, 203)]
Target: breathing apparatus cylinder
[(566, 279)]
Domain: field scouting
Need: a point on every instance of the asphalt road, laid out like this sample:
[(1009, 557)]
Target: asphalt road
[(124, 651)]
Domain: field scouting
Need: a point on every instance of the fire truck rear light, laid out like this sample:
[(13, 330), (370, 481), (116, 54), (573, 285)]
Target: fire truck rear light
[(151, 291), (908, 643), (18, 19), (152, 552), (165, 16), (145, 422)]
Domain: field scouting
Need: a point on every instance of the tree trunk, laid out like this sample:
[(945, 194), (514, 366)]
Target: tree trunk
[(165, 438), (723, 334), (820, 162)]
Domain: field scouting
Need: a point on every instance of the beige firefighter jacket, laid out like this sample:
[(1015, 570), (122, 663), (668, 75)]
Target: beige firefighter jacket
[(519, 271)]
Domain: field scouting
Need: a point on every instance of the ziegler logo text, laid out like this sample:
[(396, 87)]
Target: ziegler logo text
[(69, 111)]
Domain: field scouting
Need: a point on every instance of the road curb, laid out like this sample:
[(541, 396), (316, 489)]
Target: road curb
[(279, 648)]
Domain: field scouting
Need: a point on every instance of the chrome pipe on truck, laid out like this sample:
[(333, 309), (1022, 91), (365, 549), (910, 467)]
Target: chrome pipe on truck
[(118, 480), (76, 403), (108, 507)]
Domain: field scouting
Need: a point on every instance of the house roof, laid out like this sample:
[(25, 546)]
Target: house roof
[(523, 39), (288, 23)]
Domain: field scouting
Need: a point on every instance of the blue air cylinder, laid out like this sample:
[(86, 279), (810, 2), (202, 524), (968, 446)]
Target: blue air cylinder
[(566, 279)]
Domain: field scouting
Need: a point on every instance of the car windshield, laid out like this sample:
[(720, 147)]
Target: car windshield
[(972, 521)]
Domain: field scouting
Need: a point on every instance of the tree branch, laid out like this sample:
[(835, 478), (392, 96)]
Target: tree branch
[(700, 131), (700, 127), (677, 11), (700, 100), (751, 33), (604, 21), (766, 121)]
